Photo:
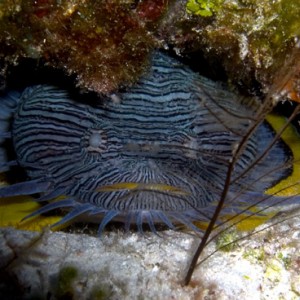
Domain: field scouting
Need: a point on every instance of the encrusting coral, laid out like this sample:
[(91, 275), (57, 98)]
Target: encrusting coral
[(106, 44), (247, 40)]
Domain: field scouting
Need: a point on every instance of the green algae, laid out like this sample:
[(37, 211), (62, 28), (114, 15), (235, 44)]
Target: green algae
[(255, 255), (227, 241), (285, 259), (204, 8), (66, 278), (101, 292)]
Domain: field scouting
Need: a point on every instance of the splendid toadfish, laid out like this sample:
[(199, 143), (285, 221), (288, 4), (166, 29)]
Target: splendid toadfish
[(157, 155)]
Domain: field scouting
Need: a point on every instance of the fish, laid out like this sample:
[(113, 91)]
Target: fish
[(160, 154)]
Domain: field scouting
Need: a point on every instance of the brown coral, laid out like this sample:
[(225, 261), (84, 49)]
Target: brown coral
[(105, 43), (248, 39)]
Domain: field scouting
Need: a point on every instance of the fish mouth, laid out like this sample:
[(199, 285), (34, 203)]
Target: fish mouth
[(138, 186)]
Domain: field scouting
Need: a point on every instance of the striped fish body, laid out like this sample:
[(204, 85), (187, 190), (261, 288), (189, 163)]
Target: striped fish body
[(157, 152)]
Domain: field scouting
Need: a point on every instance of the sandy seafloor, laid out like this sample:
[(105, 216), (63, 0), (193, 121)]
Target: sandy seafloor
[(131, 266)]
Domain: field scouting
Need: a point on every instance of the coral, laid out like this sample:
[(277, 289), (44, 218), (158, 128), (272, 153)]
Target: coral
[(247, 41), (104, 44)]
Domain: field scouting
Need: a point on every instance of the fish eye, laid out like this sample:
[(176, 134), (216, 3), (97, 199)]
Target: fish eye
[(95, 140)]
